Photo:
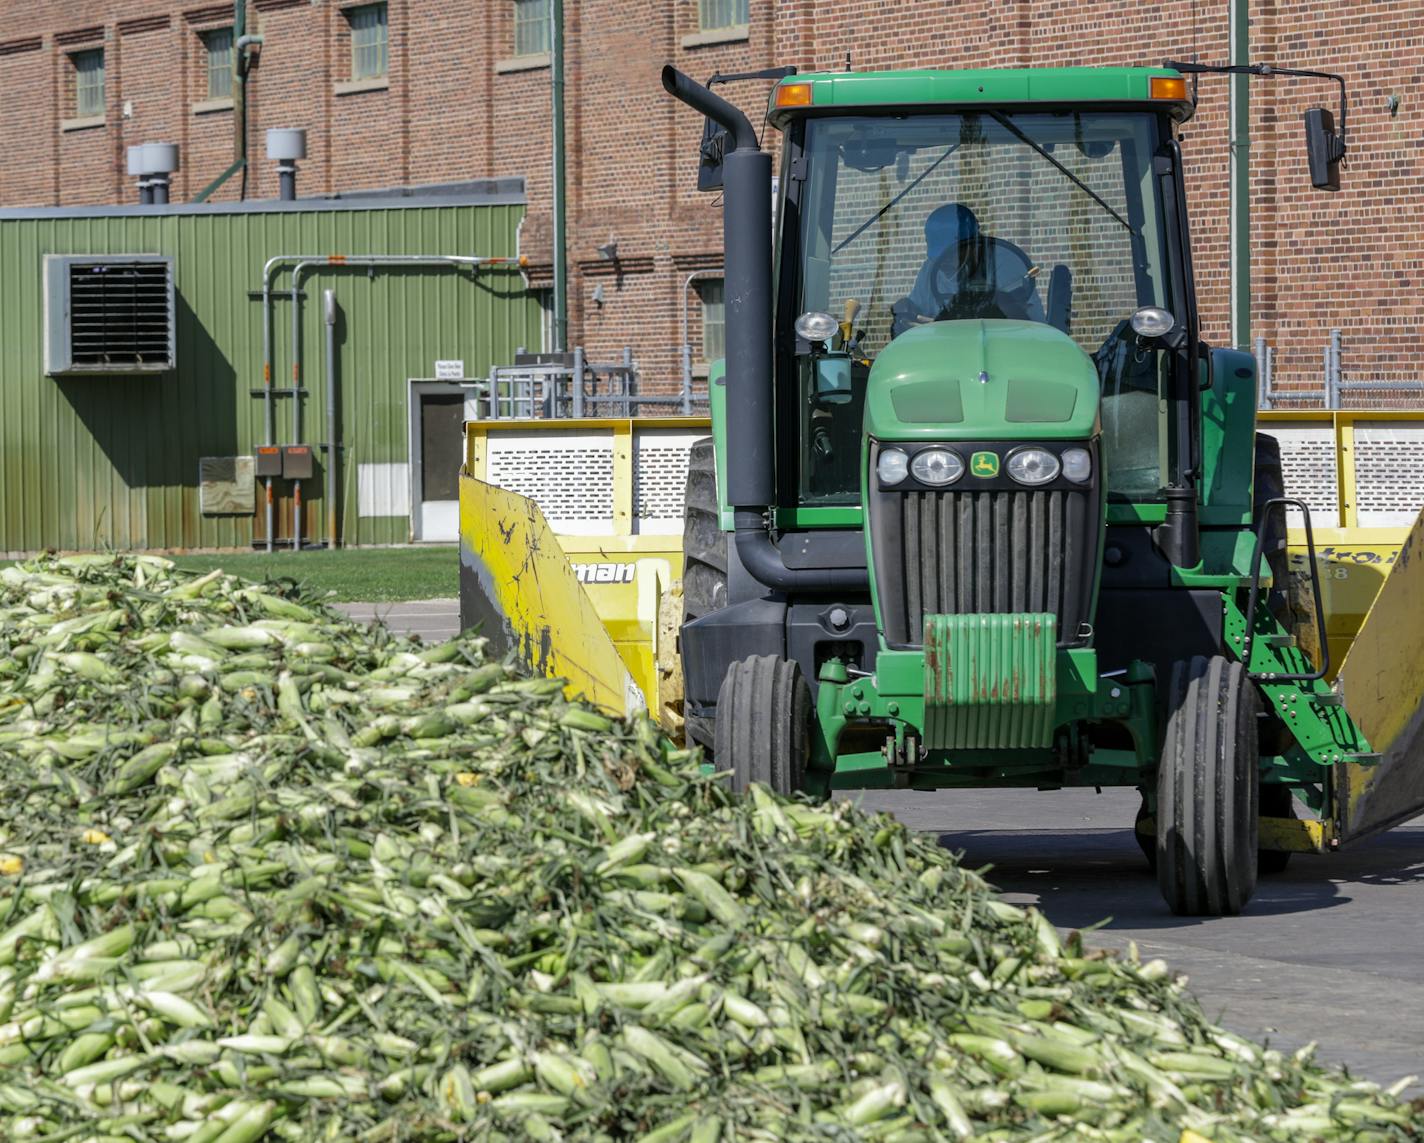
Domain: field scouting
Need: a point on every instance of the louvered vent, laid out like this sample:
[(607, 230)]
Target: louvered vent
[(110, 315)]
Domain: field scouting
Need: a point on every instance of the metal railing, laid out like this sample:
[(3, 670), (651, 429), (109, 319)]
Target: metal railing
[(1335, 388), (561, 386)]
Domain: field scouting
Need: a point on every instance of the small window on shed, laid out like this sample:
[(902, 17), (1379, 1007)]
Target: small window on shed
[(713, 15), (88, 83), (218, 45), (714, 322), (531, 27), (369, 41)]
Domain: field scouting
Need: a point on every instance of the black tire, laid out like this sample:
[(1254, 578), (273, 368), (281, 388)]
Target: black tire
[(1269, 482), (1276, 802), (704, 555), (1147, 842), (764, 724), (1207, 790), (704, 544)]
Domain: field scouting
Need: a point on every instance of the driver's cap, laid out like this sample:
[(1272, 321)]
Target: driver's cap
[(949, 224)]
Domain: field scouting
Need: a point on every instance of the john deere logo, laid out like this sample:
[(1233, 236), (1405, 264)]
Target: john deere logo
[(985, 464)]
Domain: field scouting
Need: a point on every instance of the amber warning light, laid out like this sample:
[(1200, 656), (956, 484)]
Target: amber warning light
[(1168, 87), (793, 95)]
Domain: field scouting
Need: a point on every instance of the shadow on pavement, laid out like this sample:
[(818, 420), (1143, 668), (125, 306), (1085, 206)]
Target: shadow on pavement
[(1083, 877)]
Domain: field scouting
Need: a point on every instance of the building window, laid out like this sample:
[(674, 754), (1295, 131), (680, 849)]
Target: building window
[(369, 41), (531, 27), (715, 14), (714, 321), (88, 83), (218, 44)]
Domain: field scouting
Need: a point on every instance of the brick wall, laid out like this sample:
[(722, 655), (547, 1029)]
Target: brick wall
[(457, 105)]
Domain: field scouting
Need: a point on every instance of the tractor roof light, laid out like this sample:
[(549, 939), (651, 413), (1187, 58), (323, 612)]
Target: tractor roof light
[(1167, 87), (793, 95)]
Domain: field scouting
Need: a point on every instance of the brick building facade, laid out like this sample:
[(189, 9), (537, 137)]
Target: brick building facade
[(457, 89)]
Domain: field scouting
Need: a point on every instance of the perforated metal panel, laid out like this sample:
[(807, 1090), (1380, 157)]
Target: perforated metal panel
[(660, 479), (1308, 465), (1389, 473), (569, 476)]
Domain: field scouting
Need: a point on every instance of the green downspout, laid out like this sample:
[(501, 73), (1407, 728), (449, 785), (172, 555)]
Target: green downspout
[(561, 271), (239, 90), (1240, 177)]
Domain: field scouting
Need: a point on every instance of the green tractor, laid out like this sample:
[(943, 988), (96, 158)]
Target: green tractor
[(980, 508)]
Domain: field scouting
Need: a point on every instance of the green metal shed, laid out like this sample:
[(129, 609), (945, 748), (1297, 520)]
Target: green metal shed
[(95, 452)]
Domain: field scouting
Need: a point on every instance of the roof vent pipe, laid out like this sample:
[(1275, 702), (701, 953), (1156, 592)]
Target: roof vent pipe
[(134, 160), (286, 145), (153, 163)]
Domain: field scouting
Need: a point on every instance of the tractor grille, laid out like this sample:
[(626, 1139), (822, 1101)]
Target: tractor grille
[(971, 552)]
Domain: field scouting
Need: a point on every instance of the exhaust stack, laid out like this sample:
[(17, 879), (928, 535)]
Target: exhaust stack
[(746, 235)]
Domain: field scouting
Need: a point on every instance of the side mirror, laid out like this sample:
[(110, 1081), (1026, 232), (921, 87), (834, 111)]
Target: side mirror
[(710, 152), (1324, 149), (832, 379)]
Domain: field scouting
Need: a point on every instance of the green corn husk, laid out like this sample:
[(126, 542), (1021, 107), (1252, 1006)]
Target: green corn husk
[(269, 874)]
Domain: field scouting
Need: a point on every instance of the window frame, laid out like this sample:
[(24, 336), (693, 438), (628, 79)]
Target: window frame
[(380, 43), (707, 286), (83, 110), (208, 35), (544, 21), (738, 15)]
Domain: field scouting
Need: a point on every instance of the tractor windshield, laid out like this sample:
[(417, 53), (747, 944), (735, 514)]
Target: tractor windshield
[(1044, 216)]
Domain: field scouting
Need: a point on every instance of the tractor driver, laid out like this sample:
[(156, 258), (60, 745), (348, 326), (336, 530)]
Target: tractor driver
[(967, 274)]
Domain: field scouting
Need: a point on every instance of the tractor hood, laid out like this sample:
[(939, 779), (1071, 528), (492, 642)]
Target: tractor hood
[(978, 380)]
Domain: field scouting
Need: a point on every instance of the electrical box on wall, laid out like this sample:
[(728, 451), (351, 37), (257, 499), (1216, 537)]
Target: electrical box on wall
[(109, 314), (297, 462), (268, 459)]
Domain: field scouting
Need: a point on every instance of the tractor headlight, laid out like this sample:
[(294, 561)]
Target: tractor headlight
[(892, 466), (937, 466), (816, 326), (1077, 465), (1033, 466)]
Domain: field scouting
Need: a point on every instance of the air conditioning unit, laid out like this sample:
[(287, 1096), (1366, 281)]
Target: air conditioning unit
[(109, 314)]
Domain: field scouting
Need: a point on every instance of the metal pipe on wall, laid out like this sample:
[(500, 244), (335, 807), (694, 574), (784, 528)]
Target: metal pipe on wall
[(561, 270), (302, 262), (333, 446)]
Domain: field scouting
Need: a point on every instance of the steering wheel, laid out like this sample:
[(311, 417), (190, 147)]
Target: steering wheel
[(965, 265)]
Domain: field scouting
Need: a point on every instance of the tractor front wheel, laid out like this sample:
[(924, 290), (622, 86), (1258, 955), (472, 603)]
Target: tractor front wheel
[(1208, 789), (763, 724)]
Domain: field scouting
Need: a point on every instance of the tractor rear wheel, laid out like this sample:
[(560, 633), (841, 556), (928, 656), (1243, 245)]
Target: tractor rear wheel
[(1207, 789), (764, 724), (704, 556)]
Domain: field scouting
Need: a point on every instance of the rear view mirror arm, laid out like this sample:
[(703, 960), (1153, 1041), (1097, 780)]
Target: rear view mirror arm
[(1267, 70)]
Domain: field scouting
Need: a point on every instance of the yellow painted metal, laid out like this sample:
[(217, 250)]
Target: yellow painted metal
[(535, 595), (1354, 561), (1296, 835), (589, 607), (1382, 680)]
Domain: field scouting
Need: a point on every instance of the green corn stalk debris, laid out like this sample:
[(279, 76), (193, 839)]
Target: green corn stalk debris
[(269, 874)]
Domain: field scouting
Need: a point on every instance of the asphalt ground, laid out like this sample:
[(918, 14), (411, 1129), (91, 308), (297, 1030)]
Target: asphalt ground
[(1331, 950)]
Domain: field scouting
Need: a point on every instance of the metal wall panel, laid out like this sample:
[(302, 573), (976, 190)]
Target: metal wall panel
[(95, 462)]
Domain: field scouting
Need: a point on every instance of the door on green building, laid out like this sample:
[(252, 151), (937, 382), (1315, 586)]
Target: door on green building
[(437, 440)]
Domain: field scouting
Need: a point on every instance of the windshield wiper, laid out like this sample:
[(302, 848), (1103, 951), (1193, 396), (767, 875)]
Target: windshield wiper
[(1003, 120), (869, 222)]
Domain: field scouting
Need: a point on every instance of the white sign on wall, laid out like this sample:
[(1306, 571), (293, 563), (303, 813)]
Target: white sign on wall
[(449, 371)]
